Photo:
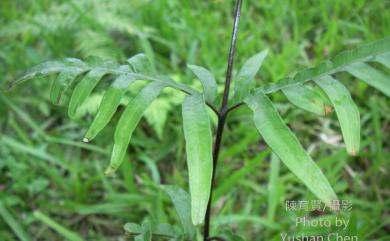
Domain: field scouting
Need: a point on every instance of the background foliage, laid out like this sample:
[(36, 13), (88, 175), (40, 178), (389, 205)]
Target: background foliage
[(48, 175)]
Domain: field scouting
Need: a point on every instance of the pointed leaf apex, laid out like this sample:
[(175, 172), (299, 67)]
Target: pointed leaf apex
[(89, 135)]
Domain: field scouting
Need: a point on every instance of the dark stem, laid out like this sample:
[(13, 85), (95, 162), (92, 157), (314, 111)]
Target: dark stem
[(222, 115), (235, 106)]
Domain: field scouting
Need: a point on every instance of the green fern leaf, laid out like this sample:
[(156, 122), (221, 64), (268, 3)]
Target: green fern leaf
[(339, 63), (197, 133), (84, 88), (208, 81), (110, 102), (61, 84), (371, 76), (307, 99), (129, 121), (384, 59), (346, 110), (287, 147), (246, 75)]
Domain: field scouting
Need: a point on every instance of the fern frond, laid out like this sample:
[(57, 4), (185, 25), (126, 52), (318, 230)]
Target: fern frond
[(354, 62), (88, 75), (279, 137), (342, 61)]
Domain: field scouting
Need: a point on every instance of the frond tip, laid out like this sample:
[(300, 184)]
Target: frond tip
[(87, 75)]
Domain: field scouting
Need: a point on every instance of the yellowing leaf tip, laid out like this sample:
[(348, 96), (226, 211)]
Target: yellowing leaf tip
[(328, 109)]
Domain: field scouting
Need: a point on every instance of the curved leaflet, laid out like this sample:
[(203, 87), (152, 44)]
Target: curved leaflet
[(110, 102), (384, 59), (307, 99), (208, 81), (371, 76), (197, 134), (84, 88), (287, 147), (128, 122), (62, 82), (246, 75), (346, 111)]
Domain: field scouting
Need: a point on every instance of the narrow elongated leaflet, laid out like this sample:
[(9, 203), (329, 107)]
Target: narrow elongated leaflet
[(197, 134), (182, 203), (62, 82), (346, 111), (384, 59), (128, 122), (110, 102), (247, 74), (84, 88), (371, 76), (285, 144), (208, 81), (307, 99)]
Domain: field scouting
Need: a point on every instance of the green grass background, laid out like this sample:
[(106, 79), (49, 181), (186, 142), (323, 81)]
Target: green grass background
[(48, 175)]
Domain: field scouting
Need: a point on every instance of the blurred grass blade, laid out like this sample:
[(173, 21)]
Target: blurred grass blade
[(23, 115), (384, 59), (285, 144), (346, 111), (247, 74), (371, 76), (182, 203), (208, 81), (109, 104), (307, 99), (14, 225), (232, 181), (273, 187), (84, 88), (197, 134), (140, 64), (60, 84), (33, 151), (229, 235), (129, 121), (66, 233)]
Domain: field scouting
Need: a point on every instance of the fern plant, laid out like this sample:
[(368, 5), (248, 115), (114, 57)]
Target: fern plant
[(313, 89)]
